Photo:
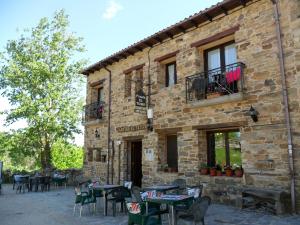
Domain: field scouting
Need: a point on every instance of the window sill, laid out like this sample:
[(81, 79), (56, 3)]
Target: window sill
[(217, 100), (93, 122), (223, 176)]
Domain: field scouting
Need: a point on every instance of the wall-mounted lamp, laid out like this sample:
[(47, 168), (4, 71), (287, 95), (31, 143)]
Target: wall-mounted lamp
[(97, 133), (253, 113), (118, 142), (150, 119)]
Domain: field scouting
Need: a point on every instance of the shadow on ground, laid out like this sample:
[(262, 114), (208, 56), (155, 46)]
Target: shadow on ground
[(56, 208)]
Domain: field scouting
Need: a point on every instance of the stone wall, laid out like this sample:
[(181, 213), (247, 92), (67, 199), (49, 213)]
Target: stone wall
[(264, 143)]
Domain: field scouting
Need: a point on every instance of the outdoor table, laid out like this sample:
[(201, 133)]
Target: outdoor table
[(172, 201), (105, 188), (161, 188), (37, 178)]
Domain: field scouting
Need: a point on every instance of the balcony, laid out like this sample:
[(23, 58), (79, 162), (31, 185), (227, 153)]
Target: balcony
[(92, 112), (216, 83)]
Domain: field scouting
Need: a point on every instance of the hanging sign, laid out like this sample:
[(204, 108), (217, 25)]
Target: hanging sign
[(140, 99)]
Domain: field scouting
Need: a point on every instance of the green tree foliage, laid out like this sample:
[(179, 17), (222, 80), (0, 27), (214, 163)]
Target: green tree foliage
[(41, 82), (18, 151), (65, 155)]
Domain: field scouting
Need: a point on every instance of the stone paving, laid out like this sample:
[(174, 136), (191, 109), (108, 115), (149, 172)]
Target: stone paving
[(56, 208)]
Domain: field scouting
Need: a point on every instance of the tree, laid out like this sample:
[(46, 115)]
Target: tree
[(18, 150), (40, 79), (66, 155)]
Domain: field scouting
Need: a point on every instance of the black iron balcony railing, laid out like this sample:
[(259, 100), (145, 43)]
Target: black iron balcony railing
[(93, 111), (215, 83)]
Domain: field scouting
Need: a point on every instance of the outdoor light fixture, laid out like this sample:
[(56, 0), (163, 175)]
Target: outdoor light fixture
[(150, 119), (253, 113)]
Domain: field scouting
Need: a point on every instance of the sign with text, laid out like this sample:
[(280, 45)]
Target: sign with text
[(140, 99), (132, 128)]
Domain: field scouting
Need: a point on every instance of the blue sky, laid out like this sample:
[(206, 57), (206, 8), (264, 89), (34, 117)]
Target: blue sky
[(106, 25)]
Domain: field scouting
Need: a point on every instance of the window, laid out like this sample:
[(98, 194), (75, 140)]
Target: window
[(172, 153), (171, 76), (128, 78), (100, 95), (224, 148), (97, 155), (219, 57), (90, 155), (139, 80)]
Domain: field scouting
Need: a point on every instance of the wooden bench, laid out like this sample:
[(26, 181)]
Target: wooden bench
[(273, 200)]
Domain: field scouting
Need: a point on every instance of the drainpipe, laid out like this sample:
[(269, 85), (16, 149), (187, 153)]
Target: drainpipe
[(149, 80), (108, 126), (286, 104), (149, 120)]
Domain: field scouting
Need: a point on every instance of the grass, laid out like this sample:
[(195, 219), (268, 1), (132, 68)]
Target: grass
[(235, 156)]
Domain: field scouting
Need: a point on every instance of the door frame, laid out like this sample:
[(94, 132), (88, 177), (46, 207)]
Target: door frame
[(129, 159)]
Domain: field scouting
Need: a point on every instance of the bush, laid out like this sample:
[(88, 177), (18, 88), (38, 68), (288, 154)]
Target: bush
[(65, 155)]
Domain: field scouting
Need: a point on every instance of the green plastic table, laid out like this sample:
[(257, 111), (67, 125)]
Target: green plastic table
[(171, 201)]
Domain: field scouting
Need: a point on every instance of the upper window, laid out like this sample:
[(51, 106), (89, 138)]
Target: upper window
[(128, 78), (100, 96), (171, 76), (139, 80), (219, 57)]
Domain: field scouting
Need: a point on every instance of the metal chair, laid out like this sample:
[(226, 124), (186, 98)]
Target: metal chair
[(21, 182), (196, 192), (45, 183), (118, 195), (181, 183), (196, 211)]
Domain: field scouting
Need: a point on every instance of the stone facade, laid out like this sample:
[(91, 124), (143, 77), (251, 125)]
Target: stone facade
[(263, 143)]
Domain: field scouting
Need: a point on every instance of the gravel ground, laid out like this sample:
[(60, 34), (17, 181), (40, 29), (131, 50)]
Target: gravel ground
[(56, 208)]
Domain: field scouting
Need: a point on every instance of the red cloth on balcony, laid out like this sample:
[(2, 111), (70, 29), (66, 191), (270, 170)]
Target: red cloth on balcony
[(233, 75)]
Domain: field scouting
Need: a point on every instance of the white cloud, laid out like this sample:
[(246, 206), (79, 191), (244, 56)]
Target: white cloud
[(111, 10)]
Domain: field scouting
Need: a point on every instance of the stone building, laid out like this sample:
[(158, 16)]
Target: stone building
[(199, 79)]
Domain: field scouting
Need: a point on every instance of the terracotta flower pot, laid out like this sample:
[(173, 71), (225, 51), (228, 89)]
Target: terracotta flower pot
[(204, 171), (229, 172), (213, 172), (219, 173), (238, 172)]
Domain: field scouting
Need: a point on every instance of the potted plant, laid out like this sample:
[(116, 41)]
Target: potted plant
[(203, 169), (238, 171), (218, 170), (228, 171), (213, 171)]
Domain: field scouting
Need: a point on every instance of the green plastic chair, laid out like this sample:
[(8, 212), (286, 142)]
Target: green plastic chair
[(83, 198), (137, 215)]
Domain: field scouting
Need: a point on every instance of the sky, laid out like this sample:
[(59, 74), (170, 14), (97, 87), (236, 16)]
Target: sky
[(106, 26)]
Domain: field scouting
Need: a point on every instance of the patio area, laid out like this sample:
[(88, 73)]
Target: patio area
[(56, 207)]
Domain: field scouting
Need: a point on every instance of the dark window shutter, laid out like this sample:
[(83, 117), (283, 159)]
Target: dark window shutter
[(172, 152), (211, 155)]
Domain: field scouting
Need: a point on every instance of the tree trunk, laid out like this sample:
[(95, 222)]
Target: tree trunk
[(47, 151), (43, 163), (46, 157)]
